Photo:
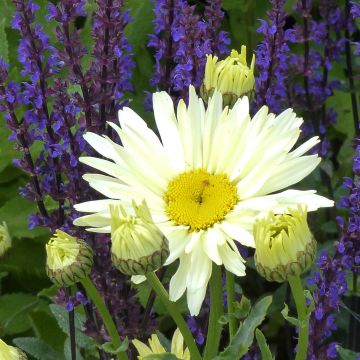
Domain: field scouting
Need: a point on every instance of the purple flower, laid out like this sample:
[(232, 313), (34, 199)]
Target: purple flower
[(181, 40)]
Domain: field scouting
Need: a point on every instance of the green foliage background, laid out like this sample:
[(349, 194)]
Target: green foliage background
[(25, 291)]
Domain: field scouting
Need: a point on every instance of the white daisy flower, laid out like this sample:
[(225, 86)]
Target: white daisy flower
[(214, 172)]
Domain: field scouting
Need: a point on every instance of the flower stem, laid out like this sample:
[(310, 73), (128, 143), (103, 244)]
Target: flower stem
[(104, 312), (175, 314), (216, 311), (72, 328), (230, 291), (303, 317)]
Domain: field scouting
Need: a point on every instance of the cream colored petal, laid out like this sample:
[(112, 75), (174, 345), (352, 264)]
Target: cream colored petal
[(167, 125), (177, 285), (232, 260), (94, 220), (290, 172), (178, 238), (103, 146), (95, 205), (138, 279), (211, 240), (195, 298), (237, 232), (141, 348), (290, 198)]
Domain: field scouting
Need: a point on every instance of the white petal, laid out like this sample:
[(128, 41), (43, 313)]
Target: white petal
[(232, 260), (95, 205), (195, 298), (138, 279), (178, 282), (178, 237), (291, 198), (167, 125), (238, 233), (211, 240), (290, 172)]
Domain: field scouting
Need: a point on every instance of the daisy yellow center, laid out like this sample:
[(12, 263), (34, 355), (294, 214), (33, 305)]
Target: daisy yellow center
[(199, 199)]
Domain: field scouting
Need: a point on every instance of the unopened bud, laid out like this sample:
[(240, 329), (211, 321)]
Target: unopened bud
[(231, 76), (69, 259), (5, 239), (284, 245), (137, 244), (10, 352)]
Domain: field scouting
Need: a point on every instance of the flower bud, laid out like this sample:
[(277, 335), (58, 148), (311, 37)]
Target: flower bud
[(232, 77), (68, 259), (11, 353), (284, 245), (5, 239), (137, 244)]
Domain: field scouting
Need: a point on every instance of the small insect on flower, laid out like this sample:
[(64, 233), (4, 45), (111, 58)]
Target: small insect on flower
[(5, 239), (11, 353), (284, 245), (155, 347), (68, 259), (231, 76)]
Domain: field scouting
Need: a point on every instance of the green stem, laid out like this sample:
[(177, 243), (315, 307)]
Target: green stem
[(216, 311), (230, 292), (175, 314), (104, 312), (303, 316)]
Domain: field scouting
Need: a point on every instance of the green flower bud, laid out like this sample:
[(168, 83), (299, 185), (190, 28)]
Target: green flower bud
[(137, 244), (232, 77), (5, 239), (11, 353), (68, 259), (284, 245)]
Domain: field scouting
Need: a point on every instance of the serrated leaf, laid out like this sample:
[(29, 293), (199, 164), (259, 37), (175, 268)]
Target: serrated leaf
[(263, 346), (290, 319), (37, 348), (346, 354), (243, 338), (62, 317), (15, 310)]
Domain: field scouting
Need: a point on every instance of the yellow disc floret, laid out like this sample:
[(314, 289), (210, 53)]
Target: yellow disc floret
[(199, 199)]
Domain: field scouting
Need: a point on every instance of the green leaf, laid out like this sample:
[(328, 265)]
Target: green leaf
[(163, 356), (290, 319), (37, 348), (346, 354), (46, 328), (242, 308), (62, 317), (4, 50), (245, 334), (139, 29), (16, 212), (264, 348), (15, 310), (67, 350), (110, 348)]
